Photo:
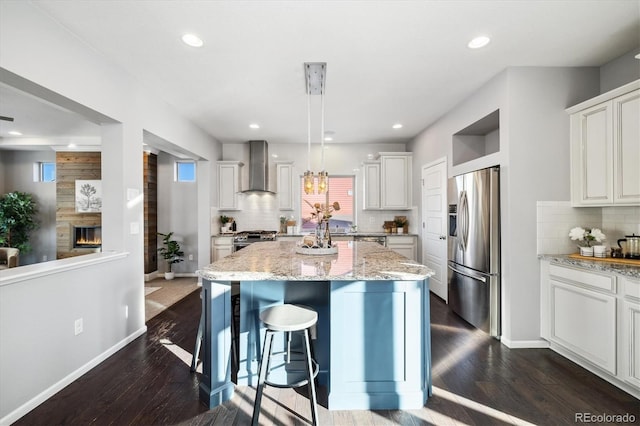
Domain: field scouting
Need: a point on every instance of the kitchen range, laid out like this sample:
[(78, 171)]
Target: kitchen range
[(245, 238)]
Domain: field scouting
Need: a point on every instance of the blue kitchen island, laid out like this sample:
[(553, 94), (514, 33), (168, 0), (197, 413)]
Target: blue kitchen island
[(372, 341)]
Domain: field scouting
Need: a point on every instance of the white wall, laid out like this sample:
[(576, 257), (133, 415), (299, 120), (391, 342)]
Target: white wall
[(44, 59), (534, 160), (19, 177), (176, 213)]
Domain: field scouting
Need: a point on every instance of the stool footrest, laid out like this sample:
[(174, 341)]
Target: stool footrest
[(283, 374)]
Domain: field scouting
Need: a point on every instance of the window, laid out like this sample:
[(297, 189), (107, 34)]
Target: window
[(185, 171), (44, 172), (340, 190)]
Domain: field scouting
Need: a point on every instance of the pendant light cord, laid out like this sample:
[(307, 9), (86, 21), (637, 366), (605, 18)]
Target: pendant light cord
[(322, 125), (308, 119)]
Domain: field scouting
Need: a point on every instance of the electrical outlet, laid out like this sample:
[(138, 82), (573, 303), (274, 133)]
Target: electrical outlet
[(372, 220), (190, 257), (78, 326)]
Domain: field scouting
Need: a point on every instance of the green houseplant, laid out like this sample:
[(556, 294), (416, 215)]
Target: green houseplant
[(17, 219), (400, 223), (171, 252)]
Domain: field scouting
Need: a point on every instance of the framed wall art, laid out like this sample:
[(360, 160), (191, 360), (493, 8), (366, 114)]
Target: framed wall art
[(88, 196)]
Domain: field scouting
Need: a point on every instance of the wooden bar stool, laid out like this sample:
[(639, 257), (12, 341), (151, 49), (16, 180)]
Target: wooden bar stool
[(287, 372)]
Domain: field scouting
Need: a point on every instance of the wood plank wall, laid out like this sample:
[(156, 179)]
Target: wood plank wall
[(69, 167), (150, 189)]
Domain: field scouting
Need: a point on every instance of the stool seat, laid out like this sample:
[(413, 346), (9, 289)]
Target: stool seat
[(286, 371), (288, 318)]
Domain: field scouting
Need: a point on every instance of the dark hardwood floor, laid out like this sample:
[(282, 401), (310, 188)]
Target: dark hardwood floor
[(477, 381)]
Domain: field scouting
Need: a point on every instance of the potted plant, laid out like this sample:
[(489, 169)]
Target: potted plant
[(171, 252), (400, 222), (225, 220), (17, 220)]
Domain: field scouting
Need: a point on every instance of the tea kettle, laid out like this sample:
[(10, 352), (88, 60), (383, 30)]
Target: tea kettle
[(632, 246)]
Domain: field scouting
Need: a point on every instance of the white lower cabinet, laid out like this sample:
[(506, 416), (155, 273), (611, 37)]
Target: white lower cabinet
[(221, 247), (593, 318), (584, 321), (406, 245), (630, 336)]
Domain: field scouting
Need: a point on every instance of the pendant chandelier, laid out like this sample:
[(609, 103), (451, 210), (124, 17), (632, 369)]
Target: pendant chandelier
[(315, 76)]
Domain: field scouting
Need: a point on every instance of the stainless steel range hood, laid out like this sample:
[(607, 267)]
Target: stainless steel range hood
[(258, 167)]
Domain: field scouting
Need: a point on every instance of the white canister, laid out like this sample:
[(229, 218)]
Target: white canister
[(586, 251), (291, 230), (600, 251)]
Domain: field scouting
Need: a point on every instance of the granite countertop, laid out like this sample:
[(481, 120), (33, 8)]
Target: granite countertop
[(277, 260), (594, 265)]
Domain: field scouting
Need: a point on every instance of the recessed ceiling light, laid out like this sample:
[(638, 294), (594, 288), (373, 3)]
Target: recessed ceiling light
[(274, 155), (71, 145), (328, 138), (479, 42), (15, 133), (397, 126), (254, 126), (192, 40), (638, 56)]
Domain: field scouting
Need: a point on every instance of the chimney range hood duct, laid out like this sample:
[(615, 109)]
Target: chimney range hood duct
[(258, 167)]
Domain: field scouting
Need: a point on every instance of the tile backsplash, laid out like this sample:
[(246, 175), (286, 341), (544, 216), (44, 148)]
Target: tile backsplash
[(556, 218), (260, 211)]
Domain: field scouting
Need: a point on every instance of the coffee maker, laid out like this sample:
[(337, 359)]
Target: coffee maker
[(632, 246)]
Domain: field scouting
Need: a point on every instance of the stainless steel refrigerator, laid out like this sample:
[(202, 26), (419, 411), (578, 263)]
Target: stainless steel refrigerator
[(474, 248)]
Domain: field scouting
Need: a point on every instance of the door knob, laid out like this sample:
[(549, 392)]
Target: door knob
[(442, 237)]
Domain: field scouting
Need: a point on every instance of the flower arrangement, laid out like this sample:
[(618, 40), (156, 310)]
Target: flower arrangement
[(321, 213), (586, 235)]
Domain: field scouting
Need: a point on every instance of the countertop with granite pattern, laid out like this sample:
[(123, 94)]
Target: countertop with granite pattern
[(593, 265), (277, 260)]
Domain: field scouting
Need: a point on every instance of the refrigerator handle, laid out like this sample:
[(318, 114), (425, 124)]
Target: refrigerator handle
[(463, 214), (474, 277)]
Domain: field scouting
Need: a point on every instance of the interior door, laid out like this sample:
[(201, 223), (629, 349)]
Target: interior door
[(434, 224)]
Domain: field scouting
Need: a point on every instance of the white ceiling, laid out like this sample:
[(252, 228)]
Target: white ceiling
[(387, 61)]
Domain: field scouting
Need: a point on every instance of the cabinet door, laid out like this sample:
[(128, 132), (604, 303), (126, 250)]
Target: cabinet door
[(593, 169), (584, 322), (377, 343), (395, 182), (626, 137), (405, 245), (221, 251), (228, 185), (631, 342), (285, 186), (371, 179), (630, 331)]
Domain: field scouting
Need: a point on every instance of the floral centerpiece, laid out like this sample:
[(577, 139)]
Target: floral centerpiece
[(585, 238), (320, 214)]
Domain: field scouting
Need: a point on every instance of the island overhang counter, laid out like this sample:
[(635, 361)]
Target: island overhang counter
[(372, 341)]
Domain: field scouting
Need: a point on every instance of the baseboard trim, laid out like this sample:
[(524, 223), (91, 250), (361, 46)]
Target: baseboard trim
[(525, 344), (186, 274), (65, 381), (151, 276)]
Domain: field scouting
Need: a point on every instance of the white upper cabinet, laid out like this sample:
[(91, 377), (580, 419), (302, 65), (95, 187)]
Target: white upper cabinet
[(284, 171), (228, 184), (605, 148), (387, 182), (626, 148), (395, 180), (371, 172)]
